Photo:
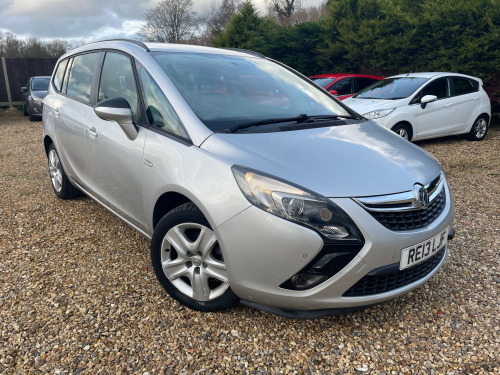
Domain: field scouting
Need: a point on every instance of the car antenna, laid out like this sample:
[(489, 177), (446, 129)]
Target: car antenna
[(410, 72)]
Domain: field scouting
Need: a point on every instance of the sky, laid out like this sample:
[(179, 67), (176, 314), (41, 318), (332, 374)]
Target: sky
[(83, 21)]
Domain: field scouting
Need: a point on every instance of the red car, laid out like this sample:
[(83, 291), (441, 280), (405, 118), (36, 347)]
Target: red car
[(344, 85)]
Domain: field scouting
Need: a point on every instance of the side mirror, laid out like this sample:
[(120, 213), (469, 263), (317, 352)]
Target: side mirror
[(117, 109), (333, 92), (24, 89), (427, 99)]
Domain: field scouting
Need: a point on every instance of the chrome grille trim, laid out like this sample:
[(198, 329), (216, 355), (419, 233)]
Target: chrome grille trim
[(401, 201)]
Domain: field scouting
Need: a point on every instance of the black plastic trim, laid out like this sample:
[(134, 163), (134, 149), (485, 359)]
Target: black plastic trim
[(133, 41), (306, 314)]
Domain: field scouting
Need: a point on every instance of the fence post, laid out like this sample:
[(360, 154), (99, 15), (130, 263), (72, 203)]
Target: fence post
[(7, 86)]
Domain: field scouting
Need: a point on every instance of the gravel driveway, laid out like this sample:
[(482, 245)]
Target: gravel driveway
[(78, 294)]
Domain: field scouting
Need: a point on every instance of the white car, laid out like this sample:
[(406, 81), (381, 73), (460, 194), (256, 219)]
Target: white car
[(427, 105)]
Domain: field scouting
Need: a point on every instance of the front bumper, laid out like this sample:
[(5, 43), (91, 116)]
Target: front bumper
[(262, 251)]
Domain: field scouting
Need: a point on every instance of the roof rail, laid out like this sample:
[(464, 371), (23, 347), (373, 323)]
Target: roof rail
[(133, 41), (250, 52)]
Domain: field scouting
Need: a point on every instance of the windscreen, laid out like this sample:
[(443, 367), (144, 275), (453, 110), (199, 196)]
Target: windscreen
[(40, 84), (392, 88), (226, 90)]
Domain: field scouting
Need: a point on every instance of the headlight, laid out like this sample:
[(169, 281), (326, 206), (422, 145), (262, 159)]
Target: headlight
[(378, 113), (296, 204)]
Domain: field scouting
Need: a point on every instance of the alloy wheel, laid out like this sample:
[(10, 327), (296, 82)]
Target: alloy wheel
[(480, 128), (192, 260), (55, 170)]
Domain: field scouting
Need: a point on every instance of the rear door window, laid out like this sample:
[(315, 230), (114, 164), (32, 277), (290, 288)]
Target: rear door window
[(81, 76)]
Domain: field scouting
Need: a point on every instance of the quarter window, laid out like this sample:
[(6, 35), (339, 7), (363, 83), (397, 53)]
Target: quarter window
[(464, 86), (58, 77), (158, 108), (118, 80), (81, 74), (363, 82)]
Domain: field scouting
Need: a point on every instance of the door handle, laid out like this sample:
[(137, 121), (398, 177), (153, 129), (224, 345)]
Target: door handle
[(56, 111), (448, 105), (92, 132), (475, 98)]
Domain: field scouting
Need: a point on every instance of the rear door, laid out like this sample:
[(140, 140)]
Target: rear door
[(115, 160), (71, 114), (466, 100)]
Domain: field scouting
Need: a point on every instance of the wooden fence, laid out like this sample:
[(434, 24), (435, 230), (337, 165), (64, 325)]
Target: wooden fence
[(15, 72)]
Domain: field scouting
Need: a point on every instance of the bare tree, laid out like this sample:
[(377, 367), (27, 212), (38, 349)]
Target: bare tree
[(291, 12), (283, 10), (57, 47), (171, 21), (10, 45), (219, 14)]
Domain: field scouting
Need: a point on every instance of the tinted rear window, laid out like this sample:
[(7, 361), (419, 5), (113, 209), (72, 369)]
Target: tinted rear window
[(40, 84)]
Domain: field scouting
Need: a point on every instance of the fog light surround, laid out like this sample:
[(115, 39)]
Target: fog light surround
[(303, 281)]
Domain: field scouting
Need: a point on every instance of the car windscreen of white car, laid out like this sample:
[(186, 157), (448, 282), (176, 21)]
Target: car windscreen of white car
[(392, 88), (225, 91)]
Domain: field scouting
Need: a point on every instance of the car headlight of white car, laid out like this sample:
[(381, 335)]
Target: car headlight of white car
[(296, 204), (378, 113)]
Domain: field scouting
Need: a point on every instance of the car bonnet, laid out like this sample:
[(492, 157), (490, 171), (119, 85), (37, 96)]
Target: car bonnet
[(340, 161), (363, 106)]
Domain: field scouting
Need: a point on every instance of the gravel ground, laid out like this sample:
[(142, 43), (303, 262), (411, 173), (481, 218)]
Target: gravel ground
[(78, 294)]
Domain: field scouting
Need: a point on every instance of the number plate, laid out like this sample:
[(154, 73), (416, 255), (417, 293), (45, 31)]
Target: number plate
[(422, 251)]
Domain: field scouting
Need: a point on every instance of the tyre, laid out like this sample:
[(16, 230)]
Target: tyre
[(479, 129), (30, 116), (60, 182), (25, 112), (188, 261), (403, 130)]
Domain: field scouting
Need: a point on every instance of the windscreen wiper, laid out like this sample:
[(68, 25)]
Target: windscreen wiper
[(297, 119)]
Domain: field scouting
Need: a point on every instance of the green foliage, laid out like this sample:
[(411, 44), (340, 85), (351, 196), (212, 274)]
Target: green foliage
[(381, 37), (292, 45), (394, 36), (243, 28)]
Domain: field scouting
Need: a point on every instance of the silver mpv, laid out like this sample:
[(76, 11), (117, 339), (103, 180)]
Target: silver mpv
[(253, 183)]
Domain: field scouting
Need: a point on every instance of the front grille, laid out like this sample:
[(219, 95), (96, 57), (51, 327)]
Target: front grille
[(388, 278), (415, 219)]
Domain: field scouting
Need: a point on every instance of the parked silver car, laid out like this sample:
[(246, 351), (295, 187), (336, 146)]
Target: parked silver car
[(253, 183), (33, 94)]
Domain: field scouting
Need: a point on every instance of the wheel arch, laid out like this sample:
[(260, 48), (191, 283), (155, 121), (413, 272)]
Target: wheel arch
[(47, 141), (484, 114), (406, 123), (167, 202)]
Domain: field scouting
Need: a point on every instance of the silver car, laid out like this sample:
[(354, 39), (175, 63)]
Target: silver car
[(253, 183)]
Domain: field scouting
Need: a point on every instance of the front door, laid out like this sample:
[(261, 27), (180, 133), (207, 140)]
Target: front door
[(116, 161), (437, 117)]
